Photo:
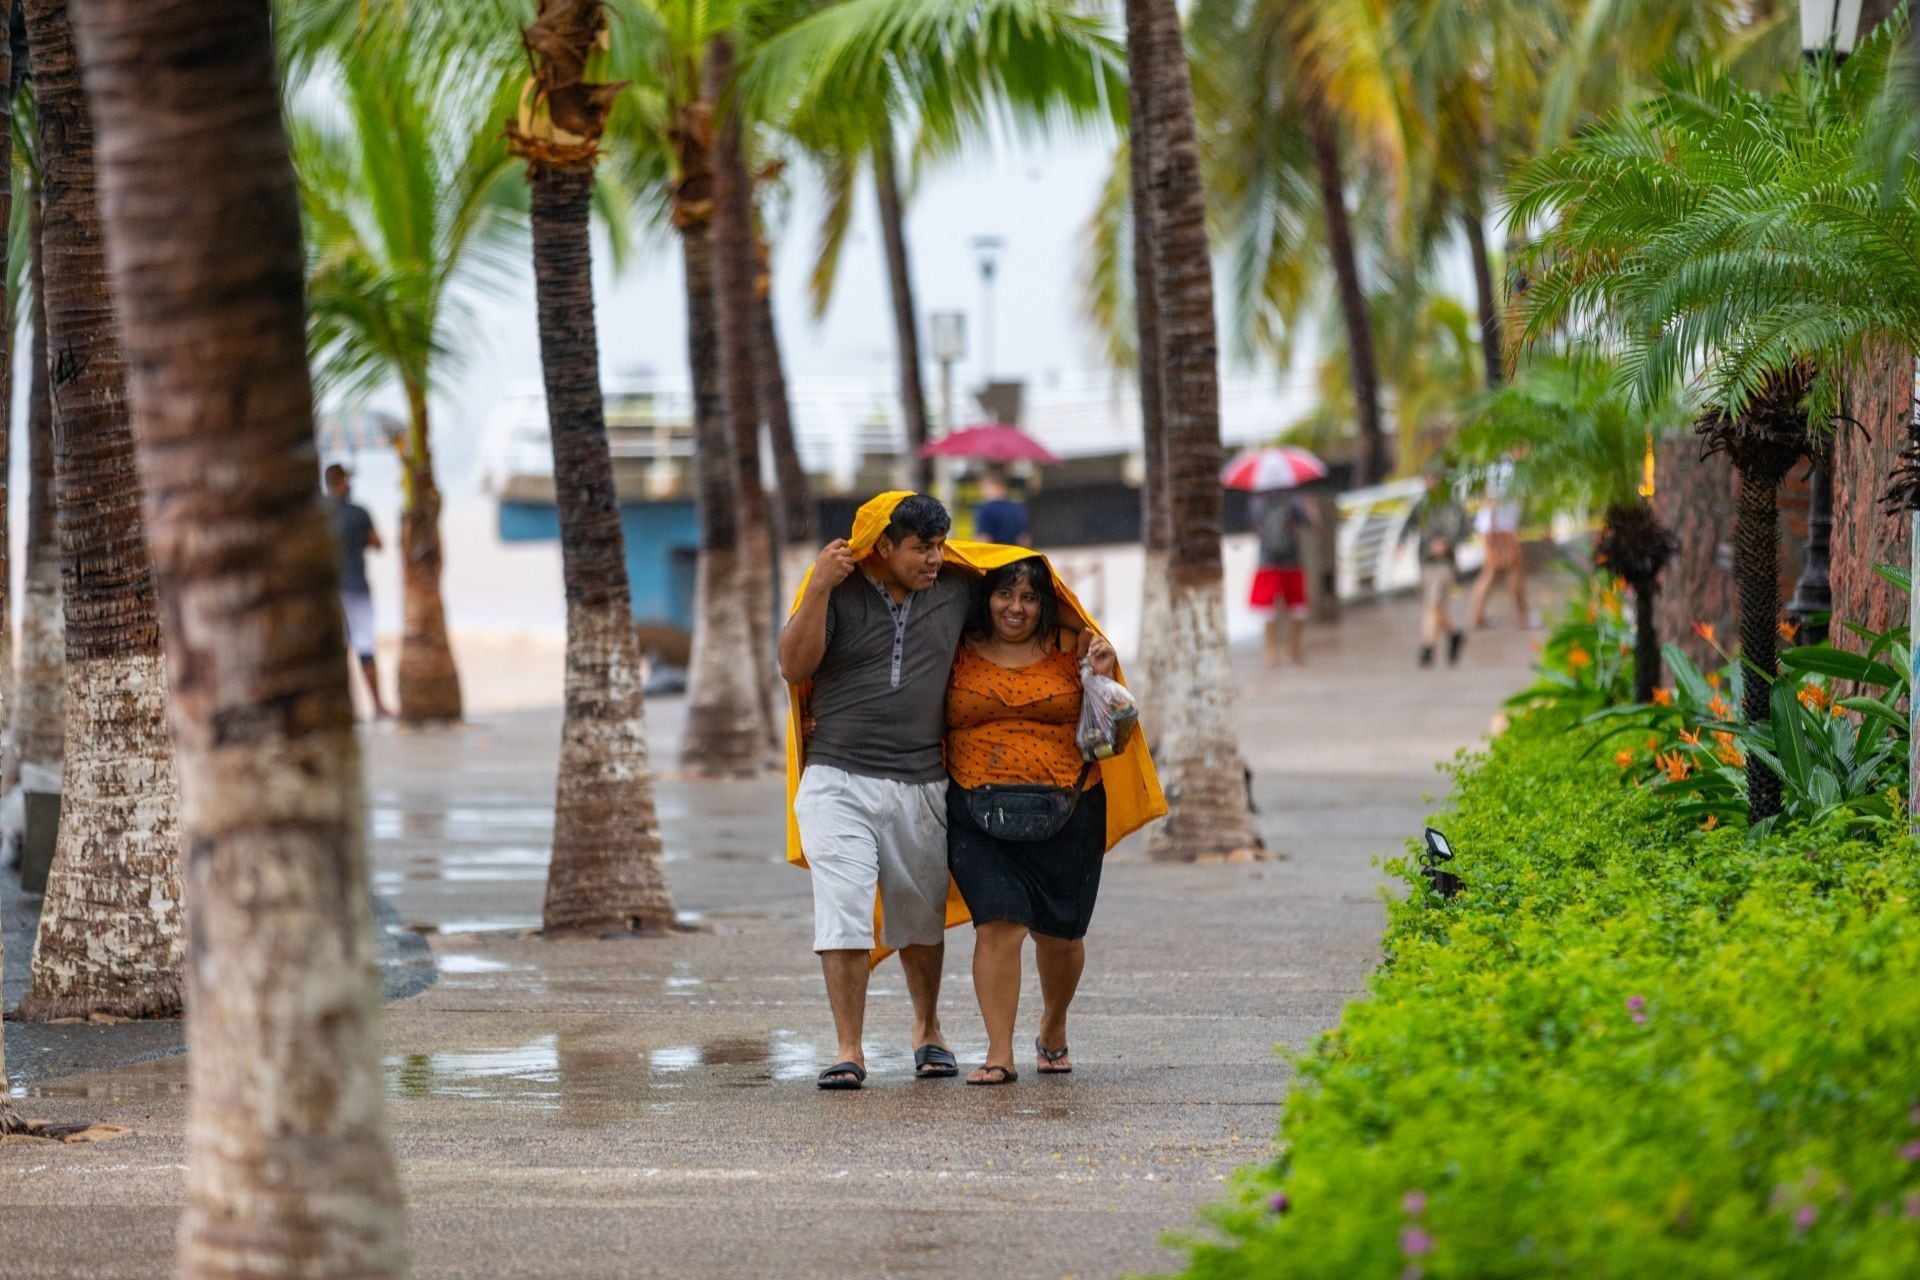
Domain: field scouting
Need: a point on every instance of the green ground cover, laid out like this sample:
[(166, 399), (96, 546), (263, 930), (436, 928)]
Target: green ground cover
[(1631, 1047)]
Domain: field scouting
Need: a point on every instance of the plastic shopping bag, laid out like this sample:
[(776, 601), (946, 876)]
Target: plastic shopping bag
[(1108, 716)]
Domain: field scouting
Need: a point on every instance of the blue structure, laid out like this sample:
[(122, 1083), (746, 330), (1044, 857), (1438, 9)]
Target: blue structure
[(663, 543)]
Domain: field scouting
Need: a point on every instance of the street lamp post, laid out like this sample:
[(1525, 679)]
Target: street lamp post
[(1828, 28), (987, 250), (948, 334)]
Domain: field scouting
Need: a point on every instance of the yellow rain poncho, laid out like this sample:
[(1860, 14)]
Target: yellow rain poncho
[(1133, 789)]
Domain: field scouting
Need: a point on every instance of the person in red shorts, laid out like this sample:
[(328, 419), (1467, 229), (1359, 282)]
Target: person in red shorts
[(1280, 583)]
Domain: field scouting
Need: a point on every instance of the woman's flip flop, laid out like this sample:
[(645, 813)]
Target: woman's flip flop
[(1050, 1056), (843, 1075), (1007, 1075), (934, 1062)]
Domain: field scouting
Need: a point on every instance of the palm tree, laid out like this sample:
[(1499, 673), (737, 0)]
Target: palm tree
[(110, 939), (286, 1053), (407, 199), (1199, 754), (38, 710), (10, 1119), (606, 874), (1577, 442), (1731, 232)]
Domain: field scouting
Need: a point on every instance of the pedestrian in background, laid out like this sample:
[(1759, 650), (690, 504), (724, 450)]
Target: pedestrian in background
[(1280, 521), (355, 535), (1498, 523), (1440, 525), (999, 518)]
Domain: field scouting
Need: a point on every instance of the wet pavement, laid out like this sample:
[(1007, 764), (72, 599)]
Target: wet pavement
[(576, 1109)]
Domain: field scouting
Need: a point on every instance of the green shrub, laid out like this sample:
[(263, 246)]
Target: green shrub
[(1629, 1048)]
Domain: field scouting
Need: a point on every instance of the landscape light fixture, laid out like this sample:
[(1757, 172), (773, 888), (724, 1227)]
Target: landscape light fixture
[(1439, 850)]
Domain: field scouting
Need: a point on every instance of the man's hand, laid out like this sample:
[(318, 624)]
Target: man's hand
[(834, 565)]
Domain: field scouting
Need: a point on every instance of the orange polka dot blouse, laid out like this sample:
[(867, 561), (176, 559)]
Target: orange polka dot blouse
[(1014, 726)]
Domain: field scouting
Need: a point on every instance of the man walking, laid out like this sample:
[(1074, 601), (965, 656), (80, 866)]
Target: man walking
[(1280, 522), (354, 533), (876, 637), (1440, 525)]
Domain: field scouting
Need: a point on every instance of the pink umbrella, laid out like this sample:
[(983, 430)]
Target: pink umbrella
[(1275, 467), (993, 442)]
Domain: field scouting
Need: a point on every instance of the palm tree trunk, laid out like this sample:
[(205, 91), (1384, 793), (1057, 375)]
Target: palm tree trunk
[(1375, 460), (1492, 350), (606, 875), (1757, 570), (795, 518), (724, 733), (906, 325), (39, 713), (1646, 639), (110, 939), (39, 708), (10, 1119), (1156, 522), (1199, 752), (429, 683), (735, 320), (289, 1172)]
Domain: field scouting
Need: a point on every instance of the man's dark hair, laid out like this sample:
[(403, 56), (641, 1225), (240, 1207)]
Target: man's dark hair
[(1032, 571), (918, 517), (335, 472)]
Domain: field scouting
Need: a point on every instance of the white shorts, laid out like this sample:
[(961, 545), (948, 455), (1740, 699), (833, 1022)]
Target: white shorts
[(863, 835), (358, 606)]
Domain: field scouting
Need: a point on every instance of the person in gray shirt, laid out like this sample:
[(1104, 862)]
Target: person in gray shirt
[(354, 535), (877, 639)]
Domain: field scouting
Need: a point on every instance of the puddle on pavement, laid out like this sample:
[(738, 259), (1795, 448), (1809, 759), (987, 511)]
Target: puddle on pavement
[(455, 964), (503, 924)]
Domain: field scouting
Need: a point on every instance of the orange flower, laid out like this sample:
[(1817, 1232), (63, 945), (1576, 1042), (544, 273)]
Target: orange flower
[(1719, 708), (1713, 679), (1713, 820), (1692, 738), (1728, 752), (1674, 765), (1578, 658), (1788, 630), (1663, 697), (1593, 614), (1624, 758), (1653, 742), (1813, 697), (1705, 631)]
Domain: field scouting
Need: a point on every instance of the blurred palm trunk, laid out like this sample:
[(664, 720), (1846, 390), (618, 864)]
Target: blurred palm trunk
[(1492, 349), (1376, 462), (906, 325), (429, 684), (1156, 522)]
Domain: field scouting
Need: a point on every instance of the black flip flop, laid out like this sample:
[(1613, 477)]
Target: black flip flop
[(1050, 1056), (843, 1075), (934, 1062), (1007, 1075)]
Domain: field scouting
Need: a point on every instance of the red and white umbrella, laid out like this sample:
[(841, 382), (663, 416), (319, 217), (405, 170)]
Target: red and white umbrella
[(1275, 467)]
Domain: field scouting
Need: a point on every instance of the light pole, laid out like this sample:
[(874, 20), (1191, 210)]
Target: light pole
[(1828, 28), (987, 250), (947, 333)]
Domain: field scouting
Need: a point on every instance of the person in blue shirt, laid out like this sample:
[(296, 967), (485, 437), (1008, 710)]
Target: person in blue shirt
[(999, 518)]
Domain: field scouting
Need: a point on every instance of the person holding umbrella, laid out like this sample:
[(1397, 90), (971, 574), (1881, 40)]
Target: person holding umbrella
[(1280, 521)]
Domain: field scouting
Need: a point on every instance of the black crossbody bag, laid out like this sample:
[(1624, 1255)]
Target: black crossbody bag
[(1025, 814)]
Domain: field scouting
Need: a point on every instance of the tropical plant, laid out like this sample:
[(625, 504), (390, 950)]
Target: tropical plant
[(1198, 749), (1575, 442), (606, 874), (409, 200), (284, 994), (111, 939), (1729, 237), (1587, 663)]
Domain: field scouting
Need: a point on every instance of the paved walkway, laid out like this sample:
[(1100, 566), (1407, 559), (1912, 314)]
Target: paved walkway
[(587, 1109)]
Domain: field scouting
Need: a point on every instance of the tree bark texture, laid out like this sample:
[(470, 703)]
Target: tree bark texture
[(111, 938), (38, 710), (797, 526), (1376, 462), (1199, 754), (1695, 500), (1646, 639), (906, 323), (11, 327), (1757, 544), (289, 1172), (428, 681), (1156, 522), (1880, 393), (606, 875), (1492, 343), (735, 321), (724, 733)]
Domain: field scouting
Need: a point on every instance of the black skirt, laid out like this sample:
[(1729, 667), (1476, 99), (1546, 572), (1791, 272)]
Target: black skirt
[(1047, 885)]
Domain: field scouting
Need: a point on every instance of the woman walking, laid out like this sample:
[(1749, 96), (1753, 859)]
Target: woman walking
[(1028, 865)]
